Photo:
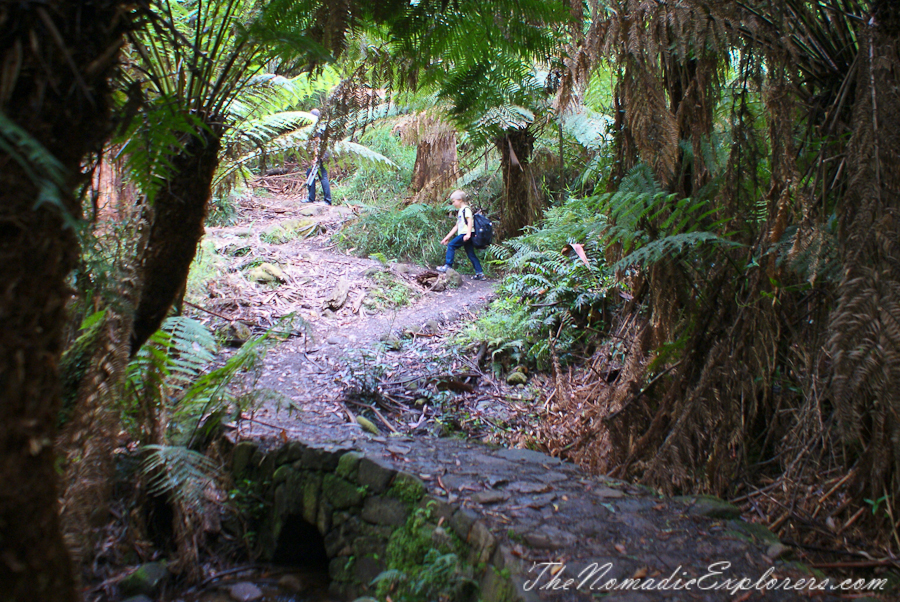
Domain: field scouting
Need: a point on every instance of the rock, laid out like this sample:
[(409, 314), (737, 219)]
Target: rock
[(408, 488), (291, 583), (392, 342), (516, 378), (370, 273), (481, 541), (527, 455), (461, 522), (367, 425), (267, 272), (336, 340), (709, 506), (777, 550), (338, 295), (384, 511), (148, 579), (440, 539), (289, 453), (609, 493), (281, 474), (311, 210), (454, 279), (260, 275), (490, 497), (550, 538), (288, 230), (365, 569), (404, 269), (241, 455), (348, 464), (374, 475), (526, 487), (235, 250), (539, 501), (340, 492), (237, 333), (317, 458), (432, 326), (244, 592), (755, 531)]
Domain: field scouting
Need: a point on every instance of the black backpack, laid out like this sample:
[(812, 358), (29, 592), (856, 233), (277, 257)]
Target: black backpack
[(484, 231)]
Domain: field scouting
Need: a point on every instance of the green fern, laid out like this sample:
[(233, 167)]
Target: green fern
[(411, 234), (178, 473)]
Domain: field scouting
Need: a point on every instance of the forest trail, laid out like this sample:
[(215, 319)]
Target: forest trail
[(311, 369), (394, 367)]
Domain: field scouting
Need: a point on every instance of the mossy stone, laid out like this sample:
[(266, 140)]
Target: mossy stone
[(281, 474), (241, 456), (516, 378), (408, 488), (374, 475), (348, 465), (341, 493), (709, 506), (756, 531), (341, 568), (311, 488)]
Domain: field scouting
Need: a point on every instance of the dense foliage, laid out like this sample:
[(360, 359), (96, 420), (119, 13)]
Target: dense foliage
[(698, 200)]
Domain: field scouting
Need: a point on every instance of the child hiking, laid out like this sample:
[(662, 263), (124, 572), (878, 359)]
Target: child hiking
[(464, 230)]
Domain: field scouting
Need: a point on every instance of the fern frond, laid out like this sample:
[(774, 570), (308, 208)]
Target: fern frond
[(670, 247), (178, 472)]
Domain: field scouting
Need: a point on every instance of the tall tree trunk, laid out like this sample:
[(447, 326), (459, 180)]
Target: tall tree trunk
[(521, 202), (177, 226), (57, 58), (436, 165)]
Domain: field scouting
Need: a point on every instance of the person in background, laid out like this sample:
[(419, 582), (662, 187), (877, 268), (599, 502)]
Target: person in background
[(464, 230), (317, 169)]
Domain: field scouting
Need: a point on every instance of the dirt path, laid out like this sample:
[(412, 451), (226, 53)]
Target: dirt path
[(312, 370)]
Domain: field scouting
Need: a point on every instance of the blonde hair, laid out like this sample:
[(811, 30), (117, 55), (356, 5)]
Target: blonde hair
[(459, 194)]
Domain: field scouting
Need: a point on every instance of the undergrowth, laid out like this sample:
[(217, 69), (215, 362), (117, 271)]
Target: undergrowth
[(370, 185), (411, 234), (424, 564), (207, 267), (390, 292)]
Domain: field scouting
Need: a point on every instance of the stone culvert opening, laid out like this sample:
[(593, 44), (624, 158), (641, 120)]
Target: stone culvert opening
[(300, 545)]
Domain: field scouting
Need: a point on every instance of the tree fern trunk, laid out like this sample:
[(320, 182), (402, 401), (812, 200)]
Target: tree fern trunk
[(865, 337), (521, 203), (58, 57), (177, 226)]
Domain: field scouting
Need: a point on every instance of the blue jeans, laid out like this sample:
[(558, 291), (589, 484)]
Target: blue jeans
[(458, 242), (326, 187)]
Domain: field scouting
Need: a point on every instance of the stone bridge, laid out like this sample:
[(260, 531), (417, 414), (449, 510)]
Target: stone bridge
[(475, 521)]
